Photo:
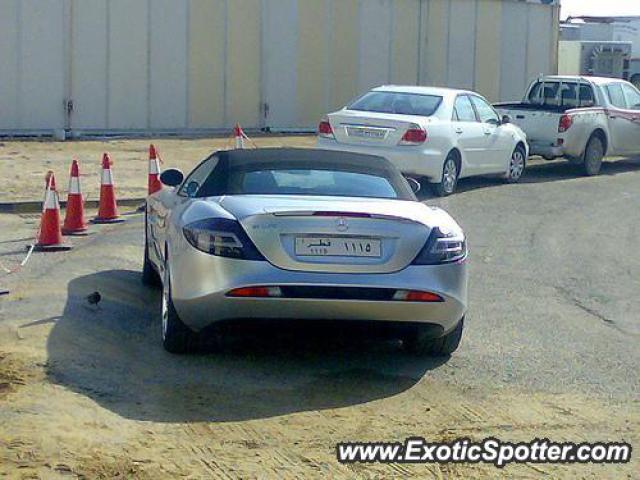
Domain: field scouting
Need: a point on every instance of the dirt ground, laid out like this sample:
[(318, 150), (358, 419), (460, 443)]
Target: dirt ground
[(550, 351), (23, 164)]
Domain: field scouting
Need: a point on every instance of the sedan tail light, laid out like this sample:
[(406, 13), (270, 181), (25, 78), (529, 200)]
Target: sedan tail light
[(255, 292), (441, 248), (565, 123), (417, 296), (415, 135), (221, 237), (324, 129)]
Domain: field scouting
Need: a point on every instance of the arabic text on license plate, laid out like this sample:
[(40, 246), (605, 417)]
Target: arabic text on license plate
[(338, 247)]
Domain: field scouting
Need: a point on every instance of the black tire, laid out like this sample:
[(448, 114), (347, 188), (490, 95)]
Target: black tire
[(593, 155), (176, 336), (517, 165), (419, 341), (150, 276), (449, 179)]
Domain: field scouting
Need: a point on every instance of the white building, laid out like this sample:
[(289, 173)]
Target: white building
[(189, 66)]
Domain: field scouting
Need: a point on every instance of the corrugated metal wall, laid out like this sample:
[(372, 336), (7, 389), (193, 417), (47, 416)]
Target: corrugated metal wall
[(202, 65)]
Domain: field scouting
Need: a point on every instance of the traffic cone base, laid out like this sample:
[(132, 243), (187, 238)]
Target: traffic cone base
[(99, 221), (51, 248), (76, 233)]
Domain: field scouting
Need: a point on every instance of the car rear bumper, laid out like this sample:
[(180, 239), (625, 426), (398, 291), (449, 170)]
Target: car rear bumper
[(546, 150), (418, 161), (200, 283)]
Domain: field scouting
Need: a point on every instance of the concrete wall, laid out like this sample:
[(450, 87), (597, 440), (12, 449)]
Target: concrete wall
[(202, 65)]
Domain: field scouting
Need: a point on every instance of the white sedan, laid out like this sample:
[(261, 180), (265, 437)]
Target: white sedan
[(436, 134)]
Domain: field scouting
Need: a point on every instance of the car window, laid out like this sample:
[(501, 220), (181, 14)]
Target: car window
[(198, 176), (310, 182), (398, 103), (565, 94), (616, 95), (486, 113), (544, 93), (587, 98), (464, 109), (632, 96)]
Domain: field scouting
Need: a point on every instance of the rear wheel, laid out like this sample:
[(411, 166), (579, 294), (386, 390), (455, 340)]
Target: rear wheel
[(449, 179), (176, 336), (517, 165), (419, 341), (149, 274), (593, 155)]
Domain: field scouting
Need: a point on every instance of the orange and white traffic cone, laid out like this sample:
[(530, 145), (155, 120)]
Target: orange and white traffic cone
[(49, 235), (74, 223), (154, 170), (108, 208), (238, 135)]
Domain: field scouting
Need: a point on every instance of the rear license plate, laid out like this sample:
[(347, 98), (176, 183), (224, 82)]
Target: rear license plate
[(374, 133), (338, 247)]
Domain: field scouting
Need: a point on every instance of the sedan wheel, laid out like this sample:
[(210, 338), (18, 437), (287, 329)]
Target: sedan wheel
[(516, 165), (420, 343), (447, 184), (176, 336), (149, 275)]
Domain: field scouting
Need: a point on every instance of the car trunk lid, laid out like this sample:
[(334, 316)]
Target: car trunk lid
[(319, 234), (353, 127)]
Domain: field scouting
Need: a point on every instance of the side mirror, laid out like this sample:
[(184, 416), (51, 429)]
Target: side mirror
[(414, 184), (506, 119), (171, 177)]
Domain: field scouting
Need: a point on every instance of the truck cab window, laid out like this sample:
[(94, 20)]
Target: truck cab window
[(632, 96), (616, 96)]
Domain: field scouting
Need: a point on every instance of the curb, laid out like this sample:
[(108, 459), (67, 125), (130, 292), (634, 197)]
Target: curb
[(31, 206)]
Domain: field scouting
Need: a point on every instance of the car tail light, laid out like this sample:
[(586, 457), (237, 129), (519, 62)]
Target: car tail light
[(324, 129), (221, 237), (565, 123), (417, 296), (442, 247), (255, 292), (415, 135)]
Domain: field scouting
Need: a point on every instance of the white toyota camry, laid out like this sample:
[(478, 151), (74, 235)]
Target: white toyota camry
[(436, 134)]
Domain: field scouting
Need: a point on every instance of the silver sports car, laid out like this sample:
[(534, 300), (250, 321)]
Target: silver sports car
[(303, 234)]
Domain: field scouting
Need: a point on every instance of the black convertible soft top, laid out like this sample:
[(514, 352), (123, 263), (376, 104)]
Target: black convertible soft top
[(285, 158), (229, 164)]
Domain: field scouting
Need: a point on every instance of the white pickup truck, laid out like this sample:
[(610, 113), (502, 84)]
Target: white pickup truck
[(580, 118)]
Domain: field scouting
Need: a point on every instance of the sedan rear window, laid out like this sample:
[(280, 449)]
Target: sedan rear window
[(398, 103)]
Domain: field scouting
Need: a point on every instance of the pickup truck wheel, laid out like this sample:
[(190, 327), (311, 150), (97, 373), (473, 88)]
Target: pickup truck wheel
[(517, 164), (447, 184), (593, 155), (176, 336)]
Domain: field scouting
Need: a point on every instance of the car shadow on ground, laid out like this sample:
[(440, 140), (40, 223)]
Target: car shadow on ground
[(553, 171), (112, 353)]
